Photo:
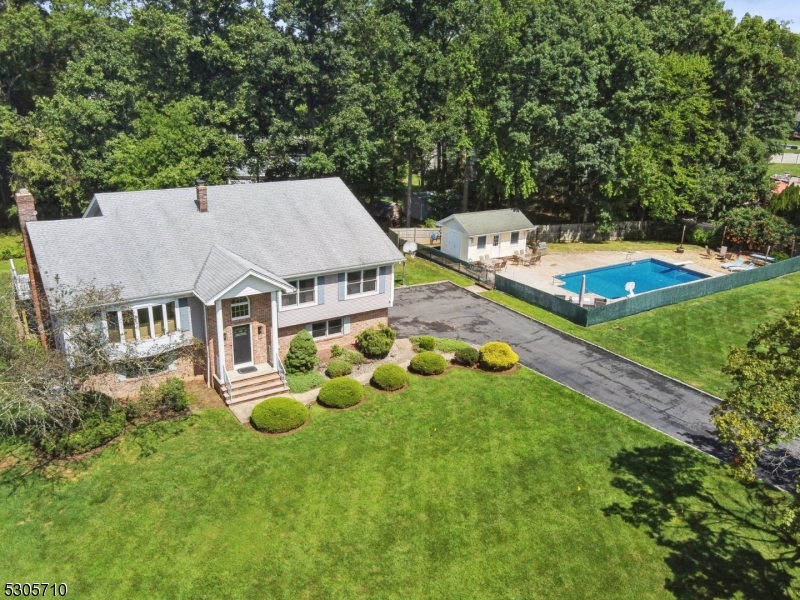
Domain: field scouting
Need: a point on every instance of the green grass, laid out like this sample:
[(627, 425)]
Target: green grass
[(304, 382), (419, 270), (793, 170), (689, 341), (617, 246), (471, 485)]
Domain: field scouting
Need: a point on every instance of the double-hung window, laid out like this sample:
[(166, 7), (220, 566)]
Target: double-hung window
[(326, 328), (362, 282), (304, 293), (481, 242), (514, 238), (240, 308)]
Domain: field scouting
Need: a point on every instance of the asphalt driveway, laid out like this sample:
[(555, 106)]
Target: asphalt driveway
[(446, 310)]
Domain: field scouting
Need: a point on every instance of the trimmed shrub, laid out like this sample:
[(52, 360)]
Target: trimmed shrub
[(338, 368), (277, 415), (467, 356), (427, 342), (102, 419), (302, 356), (341, 392), (389, 378), (376, 343), (354, 357), (497, 356), (450, 345), (428, 363)]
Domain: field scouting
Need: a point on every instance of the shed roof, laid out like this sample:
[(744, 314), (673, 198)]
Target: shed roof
[(490, 221), (156, 242)]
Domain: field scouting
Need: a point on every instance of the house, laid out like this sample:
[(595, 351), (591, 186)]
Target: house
[(241, 268), (493, 233)]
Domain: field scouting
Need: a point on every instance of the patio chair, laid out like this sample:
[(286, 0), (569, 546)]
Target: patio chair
[(535, 260), (514, 258), (501, 265), (541, 248), (747, 267), (707, 254), (733, 265), (723, 252), (600, 301)]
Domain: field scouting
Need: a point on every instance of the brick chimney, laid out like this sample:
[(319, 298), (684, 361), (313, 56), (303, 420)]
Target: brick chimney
[(202, 196), (26, 210)]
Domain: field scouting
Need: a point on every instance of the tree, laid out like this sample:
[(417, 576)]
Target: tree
[(762, 412), (302, 356), (757, 228)]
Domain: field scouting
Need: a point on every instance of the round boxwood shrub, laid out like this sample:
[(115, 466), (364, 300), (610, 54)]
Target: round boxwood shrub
[(389, 378), (497, 356), (341, 392), (376, 343), (277, 415), (427, 342), (428, 363), (467, 357), (338, 368)]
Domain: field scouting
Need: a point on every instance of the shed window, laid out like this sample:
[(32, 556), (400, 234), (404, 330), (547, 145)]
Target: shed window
[(482, 242), (240, 308), (514, 238)]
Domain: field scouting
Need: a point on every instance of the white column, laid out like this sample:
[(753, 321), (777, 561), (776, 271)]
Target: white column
[(391, 284), (274, 315), (220, 339)]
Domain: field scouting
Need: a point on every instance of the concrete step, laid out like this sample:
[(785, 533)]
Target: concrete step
[(257, 392), (254, 381)]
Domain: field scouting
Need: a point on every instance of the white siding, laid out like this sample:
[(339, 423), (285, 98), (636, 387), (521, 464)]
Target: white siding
[(506, 249), (335, 308)]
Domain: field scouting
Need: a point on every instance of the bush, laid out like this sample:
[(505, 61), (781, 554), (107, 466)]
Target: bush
[(302, 382), (302, 356), (102, 419), (700, 237), (427, 342), (338, 368), (450, 345), (341, 392), (172, 394), (757, 228), (11, 246), (497, 356), (354, 357), (779, 256), (389, 378), (277, 415), (467, 356), (428, 363), (376, 343), (635, 235)]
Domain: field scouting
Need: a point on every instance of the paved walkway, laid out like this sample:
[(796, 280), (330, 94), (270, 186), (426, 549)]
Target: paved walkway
[(676, 409)]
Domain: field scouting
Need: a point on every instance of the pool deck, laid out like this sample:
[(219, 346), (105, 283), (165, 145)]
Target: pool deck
[(543, 276)]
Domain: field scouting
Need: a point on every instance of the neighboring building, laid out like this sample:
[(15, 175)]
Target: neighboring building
[(241, 268), (492, 233)]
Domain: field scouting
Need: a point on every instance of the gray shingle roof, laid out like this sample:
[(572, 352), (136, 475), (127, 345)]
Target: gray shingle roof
[(156, 242), (223, 268), (491, 221)]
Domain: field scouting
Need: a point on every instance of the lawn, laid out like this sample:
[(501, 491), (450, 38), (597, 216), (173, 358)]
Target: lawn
[(618, 246), (419, 270), (780, 169), (688, 341), (470, 485)]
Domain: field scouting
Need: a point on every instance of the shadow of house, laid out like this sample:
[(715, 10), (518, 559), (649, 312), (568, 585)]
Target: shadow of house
[(716, 541)]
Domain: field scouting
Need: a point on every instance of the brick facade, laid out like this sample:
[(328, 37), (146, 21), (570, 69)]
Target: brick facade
[(128, 388), (358, 323), (260, 316)]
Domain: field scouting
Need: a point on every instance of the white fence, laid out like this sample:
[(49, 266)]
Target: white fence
[(785, 159), (583, 232), (420, 235)]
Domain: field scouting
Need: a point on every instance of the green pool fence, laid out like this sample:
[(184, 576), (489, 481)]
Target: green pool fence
[(617, 309)]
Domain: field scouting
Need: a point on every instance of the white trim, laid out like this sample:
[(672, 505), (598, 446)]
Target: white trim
[(274, 314), (278, 283), (391, 289), (314, 302), (327, 335), (220, 340), (345, 269), (233, 346), (247, 316)]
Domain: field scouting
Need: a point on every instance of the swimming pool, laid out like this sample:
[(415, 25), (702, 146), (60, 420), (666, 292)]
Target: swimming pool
[(647, 274)]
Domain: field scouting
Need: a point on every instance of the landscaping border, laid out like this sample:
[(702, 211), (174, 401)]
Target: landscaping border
[(625, 307)]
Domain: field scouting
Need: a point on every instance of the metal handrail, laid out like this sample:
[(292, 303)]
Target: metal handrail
[(281, 369), (227, 383)]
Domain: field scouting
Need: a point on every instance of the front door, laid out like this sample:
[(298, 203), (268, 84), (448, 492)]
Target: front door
[(496, 246), (242, 348)]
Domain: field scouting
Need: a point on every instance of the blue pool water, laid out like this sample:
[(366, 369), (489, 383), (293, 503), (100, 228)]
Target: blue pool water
[(648, 274)]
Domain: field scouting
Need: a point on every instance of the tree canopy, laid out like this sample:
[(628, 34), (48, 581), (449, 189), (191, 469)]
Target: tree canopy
[(625, 107)]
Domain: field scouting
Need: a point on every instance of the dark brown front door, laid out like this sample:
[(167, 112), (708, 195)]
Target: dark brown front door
[(242, 348)]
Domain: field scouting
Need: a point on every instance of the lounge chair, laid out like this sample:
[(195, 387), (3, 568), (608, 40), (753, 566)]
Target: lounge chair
[(747, 267), (733, 265)]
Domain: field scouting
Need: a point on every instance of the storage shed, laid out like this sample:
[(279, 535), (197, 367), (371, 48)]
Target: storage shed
[(492, 233)]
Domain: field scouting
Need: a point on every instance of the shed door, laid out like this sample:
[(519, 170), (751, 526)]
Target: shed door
[(453, 244), (495, 246)]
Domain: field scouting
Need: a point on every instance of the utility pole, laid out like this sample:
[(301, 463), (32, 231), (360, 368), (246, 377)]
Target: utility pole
[(408, 187)]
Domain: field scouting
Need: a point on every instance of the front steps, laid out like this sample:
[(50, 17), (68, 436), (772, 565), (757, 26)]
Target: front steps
[(258, 387)]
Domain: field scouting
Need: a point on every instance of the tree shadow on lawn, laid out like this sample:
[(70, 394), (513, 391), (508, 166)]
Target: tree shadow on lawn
[(711, 535)]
